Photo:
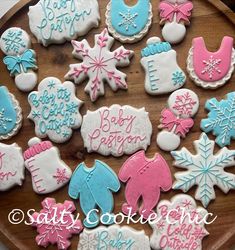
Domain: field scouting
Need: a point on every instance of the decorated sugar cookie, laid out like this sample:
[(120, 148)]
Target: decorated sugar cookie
[(94, 187), (56, 223), (53, 21), (116, 130), (99, 65), (171, 231), (162, 72), (174, 15), (176, 120), (20, 59), (11, 166), (204, 169), (113, 237), (10, 114), (145, 179), (221, 119), (211, 69), (129, 24), (49, 172), (55, 109)]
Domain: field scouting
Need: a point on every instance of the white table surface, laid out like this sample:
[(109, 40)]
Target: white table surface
[(5, 5)]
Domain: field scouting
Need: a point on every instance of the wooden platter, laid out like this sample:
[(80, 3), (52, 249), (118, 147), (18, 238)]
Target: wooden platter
[(212, 20)]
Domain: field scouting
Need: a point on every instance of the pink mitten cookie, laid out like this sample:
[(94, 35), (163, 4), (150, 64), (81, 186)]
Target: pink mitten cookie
[(56, 223), (145, 178)]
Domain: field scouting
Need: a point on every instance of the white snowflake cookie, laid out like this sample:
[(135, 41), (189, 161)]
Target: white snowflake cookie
[(204, 169), (55, 109), (99, 65), (53, 21), (49, 172), (11, 166), (181, 224)]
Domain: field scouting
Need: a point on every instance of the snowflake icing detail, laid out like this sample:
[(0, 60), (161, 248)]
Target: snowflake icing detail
[(128, 20), (211, 66), (204, 169), (88, 241), (178, 78), (55, 223), (4, 120), (60, 176), (99, 65)]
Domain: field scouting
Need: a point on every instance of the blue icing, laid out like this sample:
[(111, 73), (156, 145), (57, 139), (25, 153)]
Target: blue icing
[(94, 187), (156, 48), (8, 116), (178, 78), (129, 20)]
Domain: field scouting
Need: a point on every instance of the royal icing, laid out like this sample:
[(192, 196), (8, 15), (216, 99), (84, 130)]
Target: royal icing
[(114, 238), (48, 171), (94, 187), (145, 179), (55, 109), (204, 169), (11, 166), (117, 130), (53, 21), (176, 120), (211, 69), (56, 223), (129, 23), (162, 72), (178, 233), (174, 15), (99, 65)]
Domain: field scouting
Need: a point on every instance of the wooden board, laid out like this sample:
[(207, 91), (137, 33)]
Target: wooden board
[(207, 21)]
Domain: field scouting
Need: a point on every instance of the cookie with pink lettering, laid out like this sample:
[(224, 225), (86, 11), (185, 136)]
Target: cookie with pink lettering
[(176, 121), (116, 130), (99, 65), (48, 171), (211, 70), (181, 224), (11, 166), (56, 223), (145, 179)]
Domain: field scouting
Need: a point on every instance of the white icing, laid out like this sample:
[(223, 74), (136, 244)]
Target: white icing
[(168, 141), (26, 81), (173, 32)]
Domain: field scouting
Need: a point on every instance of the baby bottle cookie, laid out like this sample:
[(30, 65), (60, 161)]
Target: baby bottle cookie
[(20, 59), (176, 120), (49, 172), (162, 72), (174, 15), (129, 24)]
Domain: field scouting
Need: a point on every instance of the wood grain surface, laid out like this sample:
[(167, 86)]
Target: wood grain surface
[(208, 22)]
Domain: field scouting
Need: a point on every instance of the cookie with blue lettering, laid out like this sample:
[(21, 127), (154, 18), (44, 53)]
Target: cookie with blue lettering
[(129, 24), (10, 114), (55, 109), (55, 22)]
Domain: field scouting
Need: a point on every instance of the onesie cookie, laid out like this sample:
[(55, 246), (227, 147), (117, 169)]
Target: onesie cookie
[(129, 24), (55, 109), (11, 166), (162, 72), (176, 121), (10, 114), (49, 172), (53, 21), (20, 59), (211, 70), (174, 15), (116, 130), (99, 65)]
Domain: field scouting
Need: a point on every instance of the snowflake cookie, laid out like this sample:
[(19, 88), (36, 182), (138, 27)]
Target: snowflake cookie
[(204, 169), (211, 69), (56, 223), (55, 109), (99, 65), (181, 224), (221, 119)]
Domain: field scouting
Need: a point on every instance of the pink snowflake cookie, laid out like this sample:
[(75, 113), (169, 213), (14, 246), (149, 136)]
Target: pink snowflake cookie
[(176, 120), (56, 223), (99, 65)]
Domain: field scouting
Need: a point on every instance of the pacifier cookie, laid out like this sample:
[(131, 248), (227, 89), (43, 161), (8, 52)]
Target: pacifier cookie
[(129, 24)]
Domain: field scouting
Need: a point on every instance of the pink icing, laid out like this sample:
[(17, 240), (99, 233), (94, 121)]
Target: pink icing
[(37, 149), (5, 175)]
